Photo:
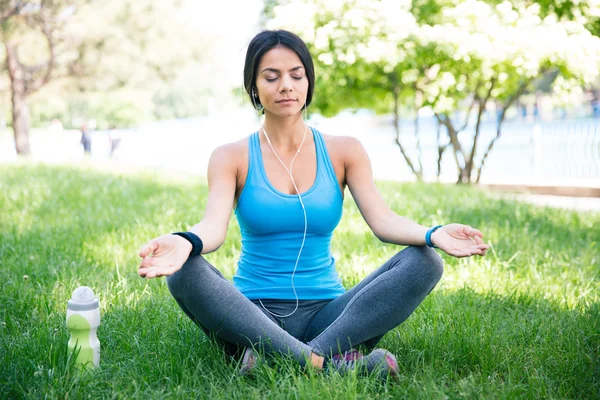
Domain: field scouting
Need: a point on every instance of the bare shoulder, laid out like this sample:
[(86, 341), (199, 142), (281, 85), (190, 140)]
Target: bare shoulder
[(229, 159), (341, 142), (344, 148), (230, 153), (229, 150)]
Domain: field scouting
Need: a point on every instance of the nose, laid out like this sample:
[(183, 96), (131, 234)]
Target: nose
[(286, 84)]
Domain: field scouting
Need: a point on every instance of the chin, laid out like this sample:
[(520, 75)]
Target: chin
[(287, 113)]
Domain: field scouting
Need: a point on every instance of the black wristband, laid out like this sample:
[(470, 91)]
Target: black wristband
[(194, 239)]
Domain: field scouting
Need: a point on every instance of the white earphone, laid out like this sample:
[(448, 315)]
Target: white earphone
[(253, 95), (289, 171)]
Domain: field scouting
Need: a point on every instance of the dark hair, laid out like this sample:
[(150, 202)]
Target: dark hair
[(267, 40)]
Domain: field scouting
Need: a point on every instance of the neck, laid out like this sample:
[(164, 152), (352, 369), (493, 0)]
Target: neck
[(286, 133)]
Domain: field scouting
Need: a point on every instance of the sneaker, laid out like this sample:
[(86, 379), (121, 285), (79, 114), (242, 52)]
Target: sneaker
[(380, 362), (248, 362), (383, 363), (346, 361)]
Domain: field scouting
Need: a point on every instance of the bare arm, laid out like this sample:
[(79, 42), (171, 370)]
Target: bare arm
[(166, 254), (388, 226), (222, 174), (455, 239)]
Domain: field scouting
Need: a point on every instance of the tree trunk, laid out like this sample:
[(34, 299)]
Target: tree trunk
[(440, 148), (458, 153), (418, 105), (482, 106), (509, 102), (20, 117), (24, 81), (418, 173), (20, 111)]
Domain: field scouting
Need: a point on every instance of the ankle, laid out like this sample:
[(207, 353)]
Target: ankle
[(317, 361)]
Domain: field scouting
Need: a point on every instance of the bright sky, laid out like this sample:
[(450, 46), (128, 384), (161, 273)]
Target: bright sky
[(230, 17), (235, 22)]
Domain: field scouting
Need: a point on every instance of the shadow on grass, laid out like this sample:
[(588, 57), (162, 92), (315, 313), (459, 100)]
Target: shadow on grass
[(516, 345), (61, 218), (505, 222), (461, 344)]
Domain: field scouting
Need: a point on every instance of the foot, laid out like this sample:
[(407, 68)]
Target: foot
[(346, 361), (248, 362), (383, 363), (380, 362)]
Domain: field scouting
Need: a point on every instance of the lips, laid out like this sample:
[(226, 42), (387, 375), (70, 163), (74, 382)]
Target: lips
[(286, 101)]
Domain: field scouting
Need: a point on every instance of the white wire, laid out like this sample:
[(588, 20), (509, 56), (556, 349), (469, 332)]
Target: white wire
[(289, 171)]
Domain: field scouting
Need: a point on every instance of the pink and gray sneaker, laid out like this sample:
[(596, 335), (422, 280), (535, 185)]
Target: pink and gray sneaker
[(248, 361), (380, 362)]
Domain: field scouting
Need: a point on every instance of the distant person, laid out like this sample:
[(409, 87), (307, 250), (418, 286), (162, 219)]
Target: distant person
[(287, 189), (536, 106), (595, 101), (522, 110), (114, 139), (86, 139)]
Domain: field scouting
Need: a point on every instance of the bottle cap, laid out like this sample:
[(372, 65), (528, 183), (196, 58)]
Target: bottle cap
[(83, 299)]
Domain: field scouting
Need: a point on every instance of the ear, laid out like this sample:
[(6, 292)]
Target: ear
[(255, 99)]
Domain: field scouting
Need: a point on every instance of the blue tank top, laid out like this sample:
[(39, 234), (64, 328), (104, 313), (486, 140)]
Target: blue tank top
[(272, 226)]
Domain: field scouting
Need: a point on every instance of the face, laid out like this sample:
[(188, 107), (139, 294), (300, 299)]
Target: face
[(281, 82)]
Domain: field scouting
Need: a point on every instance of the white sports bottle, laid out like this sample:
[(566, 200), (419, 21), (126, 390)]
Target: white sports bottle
[(83, 318)]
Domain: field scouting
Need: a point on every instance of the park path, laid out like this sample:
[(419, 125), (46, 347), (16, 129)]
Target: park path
[(572, 203)]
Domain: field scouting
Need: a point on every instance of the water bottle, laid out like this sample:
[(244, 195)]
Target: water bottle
[(83, 318)]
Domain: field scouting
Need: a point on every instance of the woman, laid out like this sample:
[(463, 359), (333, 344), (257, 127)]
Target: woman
[(287, 183)]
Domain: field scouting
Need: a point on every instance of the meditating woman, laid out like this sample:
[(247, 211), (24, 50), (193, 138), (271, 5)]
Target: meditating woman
[(286, 184)]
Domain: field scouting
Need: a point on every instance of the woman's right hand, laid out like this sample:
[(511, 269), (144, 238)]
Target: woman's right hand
[(163, 256)]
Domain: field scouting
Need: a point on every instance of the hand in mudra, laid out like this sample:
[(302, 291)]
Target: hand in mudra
[(163, 256), (459, 240)]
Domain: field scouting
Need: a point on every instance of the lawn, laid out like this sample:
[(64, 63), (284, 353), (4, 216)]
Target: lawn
[(522, 322)]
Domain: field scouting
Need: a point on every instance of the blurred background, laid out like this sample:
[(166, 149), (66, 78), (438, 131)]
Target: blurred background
[(503, 93)]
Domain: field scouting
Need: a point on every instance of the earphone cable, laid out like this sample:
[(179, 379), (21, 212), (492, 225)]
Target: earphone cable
[(289, 171)]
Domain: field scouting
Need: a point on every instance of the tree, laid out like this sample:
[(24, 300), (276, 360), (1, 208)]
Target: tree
[(451, 56), (512, 49), (29, 22), (349, 53), (92, 48)]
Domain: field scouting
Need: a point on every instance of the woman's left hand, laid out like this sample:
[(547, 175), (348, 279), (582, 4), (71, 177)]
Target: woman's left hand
[(459, 240)]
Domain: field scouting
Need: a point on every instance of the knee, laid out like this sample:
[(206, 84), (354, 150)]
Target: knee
[(192, 270), (429, 261)]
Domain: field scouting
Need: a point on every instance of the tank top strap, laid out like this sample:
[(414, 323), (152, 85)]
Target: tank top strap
[(326, 170), (254, 158)]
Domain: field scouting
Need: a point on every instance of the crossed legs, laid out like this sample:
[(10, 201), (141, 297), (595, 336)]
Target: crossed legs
[(362, 315)]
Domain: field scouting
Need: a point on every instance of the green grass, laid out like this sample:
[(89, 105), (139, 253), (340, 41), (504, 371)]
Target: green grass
[(523, 322)]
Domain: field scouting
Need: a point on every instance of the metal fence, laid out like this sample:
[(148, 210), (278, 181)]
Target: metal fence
[(555, 153)]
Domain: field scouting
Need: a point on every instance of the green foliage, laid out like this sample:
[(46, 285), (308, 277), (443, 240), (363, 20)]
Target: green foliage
[(121, 108), (522, 322), (118, 62), (44, 112), (429, 11), (450, 57), (449, 50)]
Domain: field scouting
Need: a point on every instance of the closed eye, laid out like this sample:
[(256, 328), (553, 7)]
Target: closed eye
[(293, 77)]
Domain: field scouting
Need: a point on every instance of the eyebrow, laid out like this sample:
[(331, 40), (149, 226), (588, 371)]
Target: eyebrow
[(277, 71)]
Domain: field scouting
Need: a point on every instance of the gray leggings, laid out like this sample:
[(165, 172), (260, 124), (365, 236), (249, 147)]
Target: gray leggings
[(361, 316)]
